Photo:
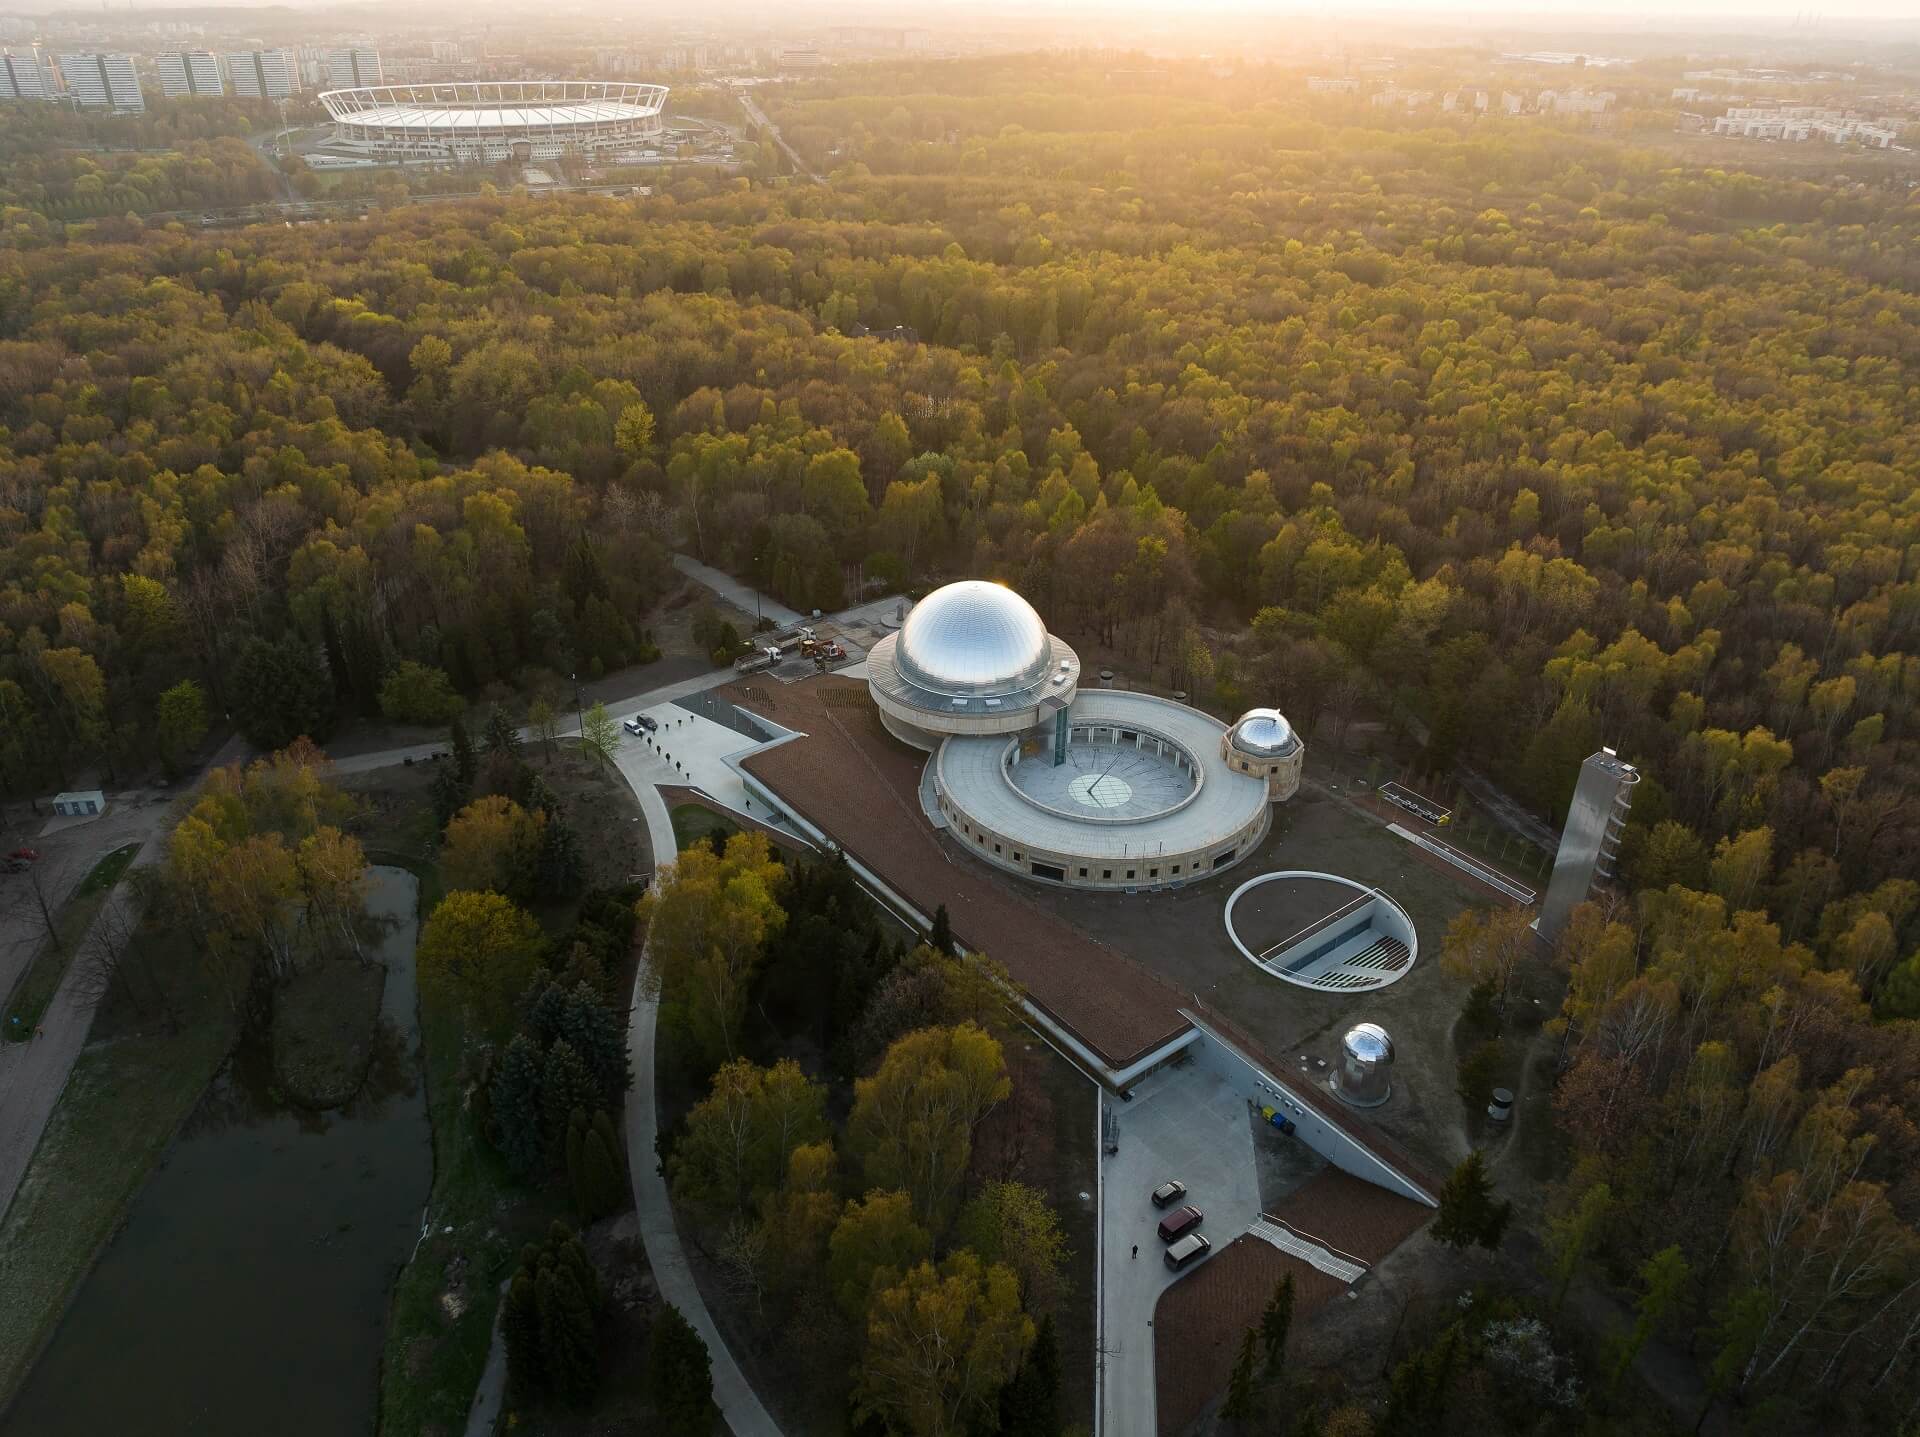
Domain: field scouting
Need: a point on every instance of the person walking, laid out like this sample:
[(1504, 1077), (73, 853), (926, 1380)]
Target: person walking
[(1136, 1249)]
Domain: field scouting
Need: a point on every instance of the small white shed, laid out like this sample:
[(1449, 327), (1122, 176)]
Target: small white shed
[(84, 804)]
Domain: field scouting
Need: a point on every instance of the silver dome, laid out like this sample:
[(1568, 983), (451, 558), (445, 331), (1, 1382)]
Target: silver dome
[(973, 638), (1369, 1043), (1264, 733)]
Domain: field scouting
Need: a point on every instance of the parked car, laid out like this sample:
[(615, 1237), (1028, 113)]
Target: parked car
[(1178, 1223), (632, 726), (25, 855), (1189, 1249), (1169, 1192)]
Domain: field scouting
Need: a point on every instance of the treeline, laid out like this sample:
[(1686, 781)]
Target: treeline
[(913, 1288), (71, 165)]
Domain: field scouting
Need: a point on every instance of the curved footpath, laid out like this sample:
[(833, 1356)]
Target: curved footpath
[(731, 1391)]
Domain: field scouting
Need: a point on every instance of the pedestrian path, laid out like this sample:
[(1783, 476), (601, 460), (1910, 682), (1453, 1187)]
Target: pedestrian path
[(1313, 1254)]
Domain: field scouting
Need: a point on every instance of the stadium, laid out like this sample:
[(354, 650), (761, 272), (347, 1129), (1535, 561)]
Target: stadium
[(1102, 788), (486, 122)]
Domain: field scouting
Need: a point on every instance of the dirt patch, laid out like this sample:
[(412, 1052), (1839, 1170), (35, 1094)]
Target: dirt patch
[(324, 1024)]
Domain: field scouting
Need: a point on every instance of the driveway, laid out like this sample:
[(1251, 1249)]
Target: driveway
[(1184, 1122)]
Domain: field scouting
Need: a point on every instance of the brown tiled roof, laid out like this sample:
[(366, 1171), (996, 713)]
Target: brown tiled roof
[(852, 779), (1199, 1321)]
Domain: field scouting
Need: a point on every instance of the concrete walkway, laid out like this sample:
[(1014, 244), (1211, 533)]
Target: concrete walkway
[(731, 1391), (491, 1394), (740, 595)]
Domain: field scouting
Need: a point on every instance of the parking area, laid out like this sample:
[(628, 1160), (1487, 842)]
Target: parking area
[(1184, 1122)]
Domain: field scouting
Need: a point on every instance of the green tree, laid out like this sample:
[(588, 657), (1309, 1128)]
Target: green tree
[(875, 1241), (281, 692), (739, 1137), (1571, 1236), (913, 1121), (940, 1346), (709, 919), (513, 1104), (478, 950), (593, 1170), (503, 738), (1030, 1403), (180, 723), (543, 720), (1663, 1278), (680, 1376), (1240, 1384), (466, 762), (633, 430), (565, 1085), (1011, 1223), (599, 735), (417, 693), (1276, 1322), (1468, 1213), (940, 935), (494, 845)]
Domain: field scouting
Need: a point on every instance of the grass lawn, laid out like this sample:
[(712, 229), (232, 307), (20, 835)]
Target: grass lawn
[(131, 1089), (692, 822), (43, 976)]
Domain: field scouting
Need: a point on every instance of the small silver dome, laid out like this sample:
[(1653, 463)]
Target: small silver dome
[(1264, 733), (1369, 1043), (973, 638)]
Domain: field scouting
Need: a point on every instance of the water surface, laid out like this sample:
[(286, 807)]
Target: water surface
[(247, 1293)]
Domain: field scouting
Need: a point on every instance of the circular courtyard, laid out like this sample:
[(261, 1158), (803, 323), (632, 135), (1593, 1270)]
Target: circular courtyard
[(1319, 930)]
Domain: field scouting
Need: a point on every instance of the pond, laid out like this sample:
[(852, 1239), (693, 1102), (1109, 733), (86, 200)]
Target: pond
[(247, 1292)]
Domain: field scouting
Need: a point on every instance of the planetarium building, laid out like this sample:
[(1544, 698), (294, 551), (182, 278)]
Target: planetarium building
[(1095, 788)]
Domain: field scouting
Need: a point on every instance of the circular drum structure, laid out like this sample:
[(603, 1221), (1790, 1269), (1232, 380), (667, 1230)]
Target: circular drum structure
[(1320, 930), (972, 658), (488, 121), (1140, 799)]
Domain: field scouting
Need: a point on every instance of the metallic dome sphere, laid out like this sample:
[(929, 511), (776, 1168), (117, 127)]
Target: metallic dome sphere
[(1369, 1043), (973, 638), (1264, 733)]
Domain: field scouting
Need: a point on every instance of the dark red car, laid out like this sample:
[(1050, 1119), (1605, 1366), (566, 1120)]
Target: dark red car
[(27, 855), (1178, 1223)]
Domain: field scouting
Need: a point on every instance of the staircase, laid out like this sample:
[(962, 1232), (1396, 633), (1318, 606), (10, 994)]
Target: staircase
[(1312, 1253)]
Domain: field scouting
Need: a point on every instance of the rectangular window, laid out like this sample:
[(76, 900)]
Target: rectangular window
[(1153, 873), (1083, 873), (996, 848), (1129, 873), (1106, 873), (1176, 868)]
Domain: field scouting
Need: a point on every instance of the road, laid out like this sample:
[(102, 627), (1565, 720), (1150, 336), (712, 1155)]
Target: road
[(742, 596), (759, 117)]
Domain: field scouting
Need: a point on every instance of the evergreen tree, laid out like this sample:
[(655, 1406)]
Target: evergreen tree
[(1417, 1394), (503, 739), (514, 1098), (1239, 1404), (520, 1331), (1030, 1404), (940, 936), (1468, 1213), (569, 1347), (596, 1033), (466, 763), (565, 1084), (561, 865), (680, 1376), (449, 794), (592, 1170), (1276, 1322)]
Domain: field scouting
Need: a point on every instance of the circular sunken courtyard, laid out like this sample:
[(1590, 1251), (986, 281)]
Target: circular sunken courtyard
[(1319, 930)]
